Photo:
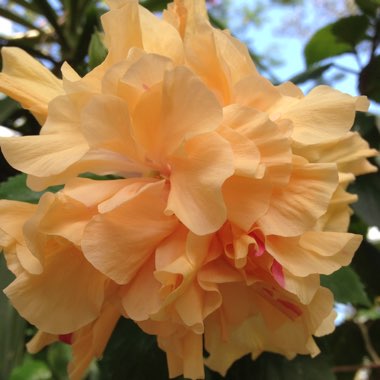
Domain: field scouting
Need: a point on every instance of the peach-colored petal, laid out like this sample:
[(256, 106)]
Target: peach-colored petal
[(198, 172), (304, 288), (337, 216), (350, 152), (107, 128), (256, 92), (186, 15), (129, 25), (27, 81), (296, 208), (120, 241), (183, 108), (271, 140), (40, 340), (60, 144), (247, 200), (202, 56), (321, 115), (122, 30), (235, 55), (64, 217), (160, 37), (246, 153), (13, 216), (140, 299), (184, 354), (72, 298), (90, 341), (96, 161), (314, 251), (142, 75), (253, 335), (184, 296)]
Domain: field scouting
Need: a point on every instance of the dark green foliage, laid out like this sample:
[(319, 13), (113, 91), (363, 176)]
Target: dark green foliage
[(346, 287), (335, 39), (368, 7), (369, 79), (367, 207), (366, 263), (132, 354), (97, 52), (15, 189)]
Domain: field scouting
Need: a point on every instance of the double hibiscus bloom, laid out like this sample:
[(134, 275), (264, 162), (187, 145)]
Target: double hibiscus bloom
[(227, 202)]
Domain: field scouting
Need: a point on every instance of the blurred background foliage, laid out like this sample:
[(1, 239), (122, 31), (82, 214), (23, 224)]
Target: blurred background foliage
[(55, 31)]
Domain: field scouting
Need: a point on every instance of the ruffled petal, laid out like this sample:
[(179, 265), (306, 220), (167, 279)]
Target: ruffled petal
[(314, 251), (198, 172), (60, 144), (184, 354), (271, 140), (72, 298), (143, 74), (118, 242), (247, 200), (181, 109), (122, 29), (159, 37), (13, 216), (107, 128), (296, 208), (321, 115), (256, 92), (128, 25), (90, 341), (203, 57)]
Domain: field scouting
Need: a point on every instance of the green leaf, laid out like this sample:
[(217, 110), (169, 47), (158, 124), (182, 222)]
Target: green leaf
[(155, 5), (369, 79), (371, 314), (11, 328), (132, 354), (31, 370), (335, 39), (58, 357), (366, 263), (97, 52), (368, 206), (365, 124), (15, 189), (7, 107), (346, 287), (368, 7), (314, 72)]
